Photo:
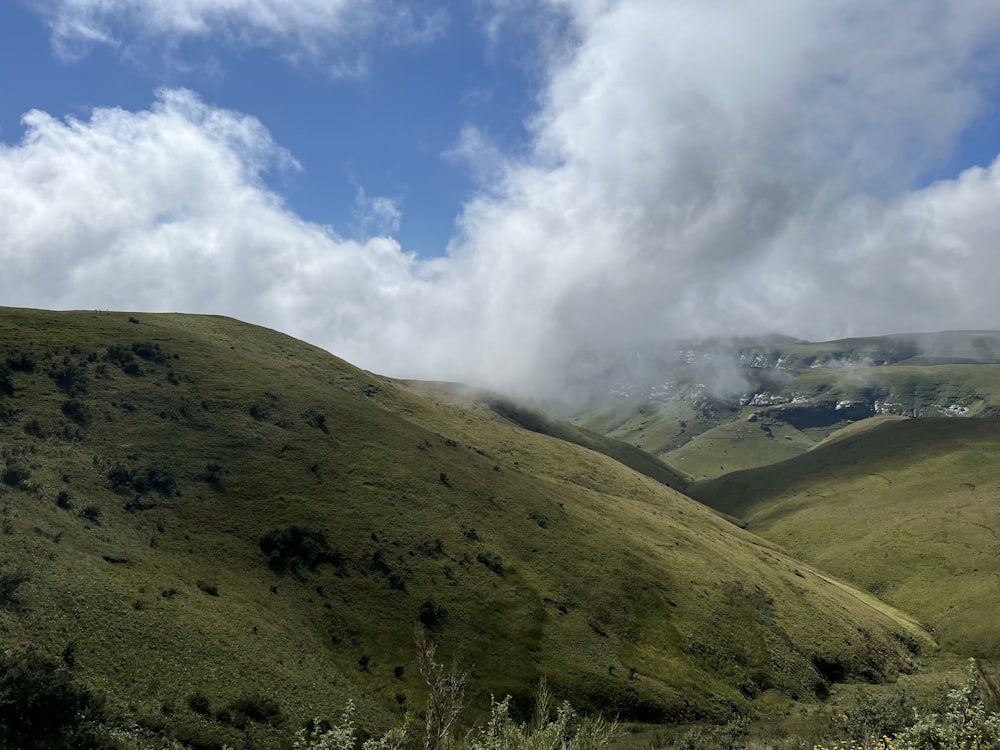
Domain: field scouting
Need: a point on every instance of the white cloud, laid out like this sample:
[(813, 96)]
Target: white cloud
[(377, 214), (697, 168), (165, 210), (303, 29)]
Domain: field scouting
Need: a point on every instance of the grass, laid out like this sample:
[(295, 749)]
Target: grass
[(202, 435), (905, 509)]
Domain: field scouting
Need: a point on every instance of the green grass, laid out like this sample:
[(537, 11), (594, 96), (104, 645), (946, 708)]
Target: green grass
[(548, 557), (905, 509)]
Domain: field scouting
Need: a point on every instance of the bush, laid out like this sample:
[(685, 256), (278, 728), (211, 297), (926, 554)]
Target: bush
[(41, 706), (296, 547), (492, 561), (6, 381), (158, 478), (10, 582), (257, 708), (71, 379), (149, 352), (91, 513), (16, 475), (199, 703), (76, 411)]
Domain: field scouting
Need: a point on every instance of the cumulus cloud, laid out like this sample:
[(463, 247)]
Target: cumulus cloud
[(166, 210), (304, 29), (696, 169)]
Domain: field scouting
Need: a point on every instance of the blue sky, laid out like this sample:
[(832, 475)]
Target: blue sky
[(486, 190), (386, 132)]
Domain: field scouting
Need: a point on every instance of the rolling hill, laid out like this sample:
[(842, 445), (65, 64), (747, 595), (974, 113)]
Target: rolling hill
[(197, 512), (905, 508)]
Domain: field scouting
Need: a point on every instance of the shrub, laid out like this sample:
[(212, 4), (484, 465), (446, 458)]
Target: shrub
[(6, 381), (22, 362), (16, 475), (295, 547), (257, 708), (492, 561), (432, 615), (91, 513), (76, 411), (199, 703), (149, 352), (962, 722), (10, 582), (71, 379), (41, 706), (158, 478), (64, 501)]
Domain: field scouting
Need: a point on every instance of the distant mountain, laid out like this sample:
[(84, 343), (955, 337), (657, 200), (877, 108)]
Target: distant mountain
[(197, 513), (713, 407)]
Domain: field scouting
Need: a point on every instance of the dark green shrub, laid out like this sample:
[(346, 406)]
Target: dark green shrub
[(492, 561), (70, 378), (297, 547), (432, 615), (76, 411), (64, 501), (257, 708), (199, 703), (91, 513), (158, 478), (16, 475), (10, 582), (213, 474), (41, 706), (6, 381), (149, 352), (21, 362), (118, 354), (258, 413)]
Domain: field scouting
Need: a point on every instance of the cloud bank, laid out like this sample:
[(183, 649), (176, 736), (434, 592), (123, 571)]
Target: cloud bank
[(697, 168)]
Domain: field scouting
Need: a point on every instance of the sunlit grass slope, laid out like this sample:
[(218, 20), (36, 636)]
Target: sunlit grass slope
[(907, 509), (145, 457)]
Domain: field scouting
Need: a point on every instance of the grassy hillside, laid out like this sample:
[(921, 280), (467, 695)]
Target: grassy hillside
[(201, 511), (906, 509)]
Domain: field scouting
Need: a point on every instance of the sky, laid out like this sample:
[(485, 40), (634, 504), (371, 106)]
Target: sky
[(485, 190)]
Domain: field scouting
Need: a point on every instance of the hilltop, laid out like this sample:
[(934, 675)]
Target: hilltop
[(206, 511)]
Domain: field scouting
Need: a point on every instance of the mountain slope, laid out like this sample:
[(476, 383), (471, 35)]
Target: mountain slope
[(906, 509), (711, 408), (207, 509)]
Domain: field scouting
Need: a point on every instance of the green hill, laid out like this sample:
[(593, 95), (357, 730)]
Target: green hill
[(196, 512), (906, 509)]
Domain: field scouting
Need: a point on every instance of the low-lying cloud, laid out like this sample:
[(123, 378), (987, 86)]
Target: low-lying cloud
[(696, 169)]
